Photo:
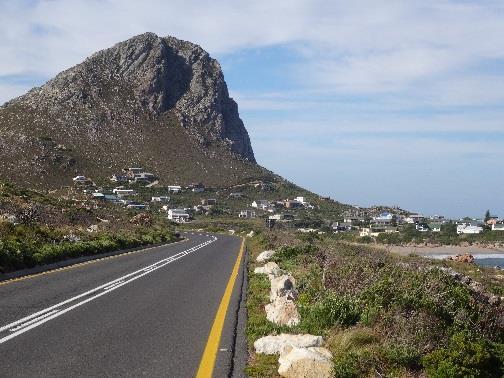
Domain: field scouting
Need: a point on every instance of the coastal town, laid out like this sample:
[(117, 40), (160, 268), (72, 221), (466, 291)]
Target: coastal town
[(137, 189)]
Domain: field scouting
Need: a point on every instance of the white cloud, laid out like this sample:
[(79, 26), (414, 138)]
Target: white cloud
[(360, 68)]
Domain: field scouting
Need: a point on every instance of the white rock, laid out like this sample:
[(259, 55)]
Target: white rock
[(264, 256), (283, 312), (231, 232), (251, 234), (93, 228), (271, 269), (283, 286), (274, 344), (312, 362)]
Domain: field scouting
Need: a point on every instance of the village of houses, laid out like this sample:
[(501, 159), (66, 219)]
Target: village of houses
[(365, 222)]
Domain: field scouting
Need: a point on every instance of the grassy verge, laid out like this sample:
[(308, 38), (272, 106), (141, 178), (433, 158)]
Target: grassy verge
[(380, 314), (28, 247)]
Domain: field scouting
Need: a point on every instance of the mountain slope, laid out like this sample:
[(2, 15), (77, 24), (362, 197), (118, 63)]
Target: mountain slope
[(159, 103)]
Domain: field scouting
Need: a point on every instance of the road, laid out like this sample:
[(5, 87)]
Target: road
[(146, 313)]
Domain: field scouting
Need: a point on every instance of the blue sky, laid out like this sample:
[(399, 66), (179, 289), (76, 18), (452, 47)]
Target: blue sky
[(370, 102)]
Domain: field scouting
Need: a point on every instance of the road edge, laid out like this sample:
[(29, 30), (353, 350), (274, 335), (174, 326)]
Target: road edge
[(75, 262)]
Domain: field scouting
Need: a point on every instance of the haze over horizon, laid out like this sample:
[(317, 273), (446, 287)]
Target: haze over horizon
[(374, 102)]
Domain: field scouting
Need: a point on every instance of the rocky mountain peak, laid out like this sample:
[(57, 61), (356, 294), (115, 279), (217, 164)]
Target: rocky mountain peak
[(153, 76)]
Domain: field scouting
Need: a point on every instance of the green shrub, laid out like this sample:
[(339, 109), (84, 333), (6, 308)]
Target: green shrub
[(465, 357), (405, 356), (287, 253), (329, 311)]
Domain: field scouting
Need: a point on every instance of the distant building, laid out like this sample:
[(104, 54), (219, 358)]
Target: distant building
[(235, 195), (118, 177), (136, 206), (498, 227), (261, 204), (422, 227), (300, 199), (174, 189), (162, 199), (385, 216), (414, 218), (80, 179), (435, 227), (248, 214), (469, 229), (134, 171), (209, 201), (293, 204), (341, 226), (124, 192), (144, 177), (178, 215), (282, 217)]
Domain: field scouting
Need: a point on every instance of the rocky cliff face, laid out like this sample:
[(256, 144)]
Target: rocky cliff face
[(165, 74), (121, 105)]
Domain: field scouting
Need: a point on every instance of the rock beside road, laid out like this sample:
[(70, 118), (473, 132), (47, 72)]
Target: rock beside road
[(274, 344), (271, 269), (283, 286), (283, 311), (265, 256), (312, 362)]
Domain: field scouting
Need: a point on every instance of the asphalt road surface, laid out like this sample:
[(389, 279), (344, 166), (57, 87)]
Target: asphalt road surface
[(145, 313)]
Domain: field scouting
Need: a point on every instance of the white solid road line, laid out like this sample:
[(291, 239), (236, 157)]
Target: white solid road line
[(34, 320)]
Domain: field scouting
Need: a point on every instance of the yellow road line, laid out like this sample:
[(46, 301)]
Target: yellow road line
[(207, 362), (92, 261)]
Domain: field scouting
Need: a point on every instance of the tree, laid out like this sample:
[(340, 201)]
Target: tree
[(487, 215)]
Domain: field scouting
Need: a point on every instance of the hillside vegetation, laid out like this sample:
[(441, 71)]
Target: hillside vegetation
[(382, 314), (37, 229)]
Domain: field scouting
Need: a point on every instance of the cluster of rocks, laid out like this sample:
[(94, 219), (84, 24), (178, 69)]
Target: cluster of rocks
[(465, 258), (476, 287), (299, 355)]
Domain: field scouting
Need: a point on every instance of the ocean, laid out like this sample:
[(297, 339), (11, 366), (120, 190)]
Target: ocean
[(482, 259)]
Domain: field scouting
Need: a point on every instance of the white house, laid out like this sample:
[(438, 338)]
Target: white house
[(498, 227), (370, 231), (468, 229), (414, 218), (249, 214), (178, 215), (282, 217), (300, 199), (261, 204), (124, 192), (435, 227), (422, 227), (162, 199), (80, 179), (384, 216), (174, 189)]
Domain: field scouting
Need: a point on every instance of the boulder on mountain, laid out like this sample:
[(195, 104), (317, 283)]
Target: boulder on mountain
[(273, 344), (271, 269), (265, 255), (283, 286), (282, 311), (312, 362)]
